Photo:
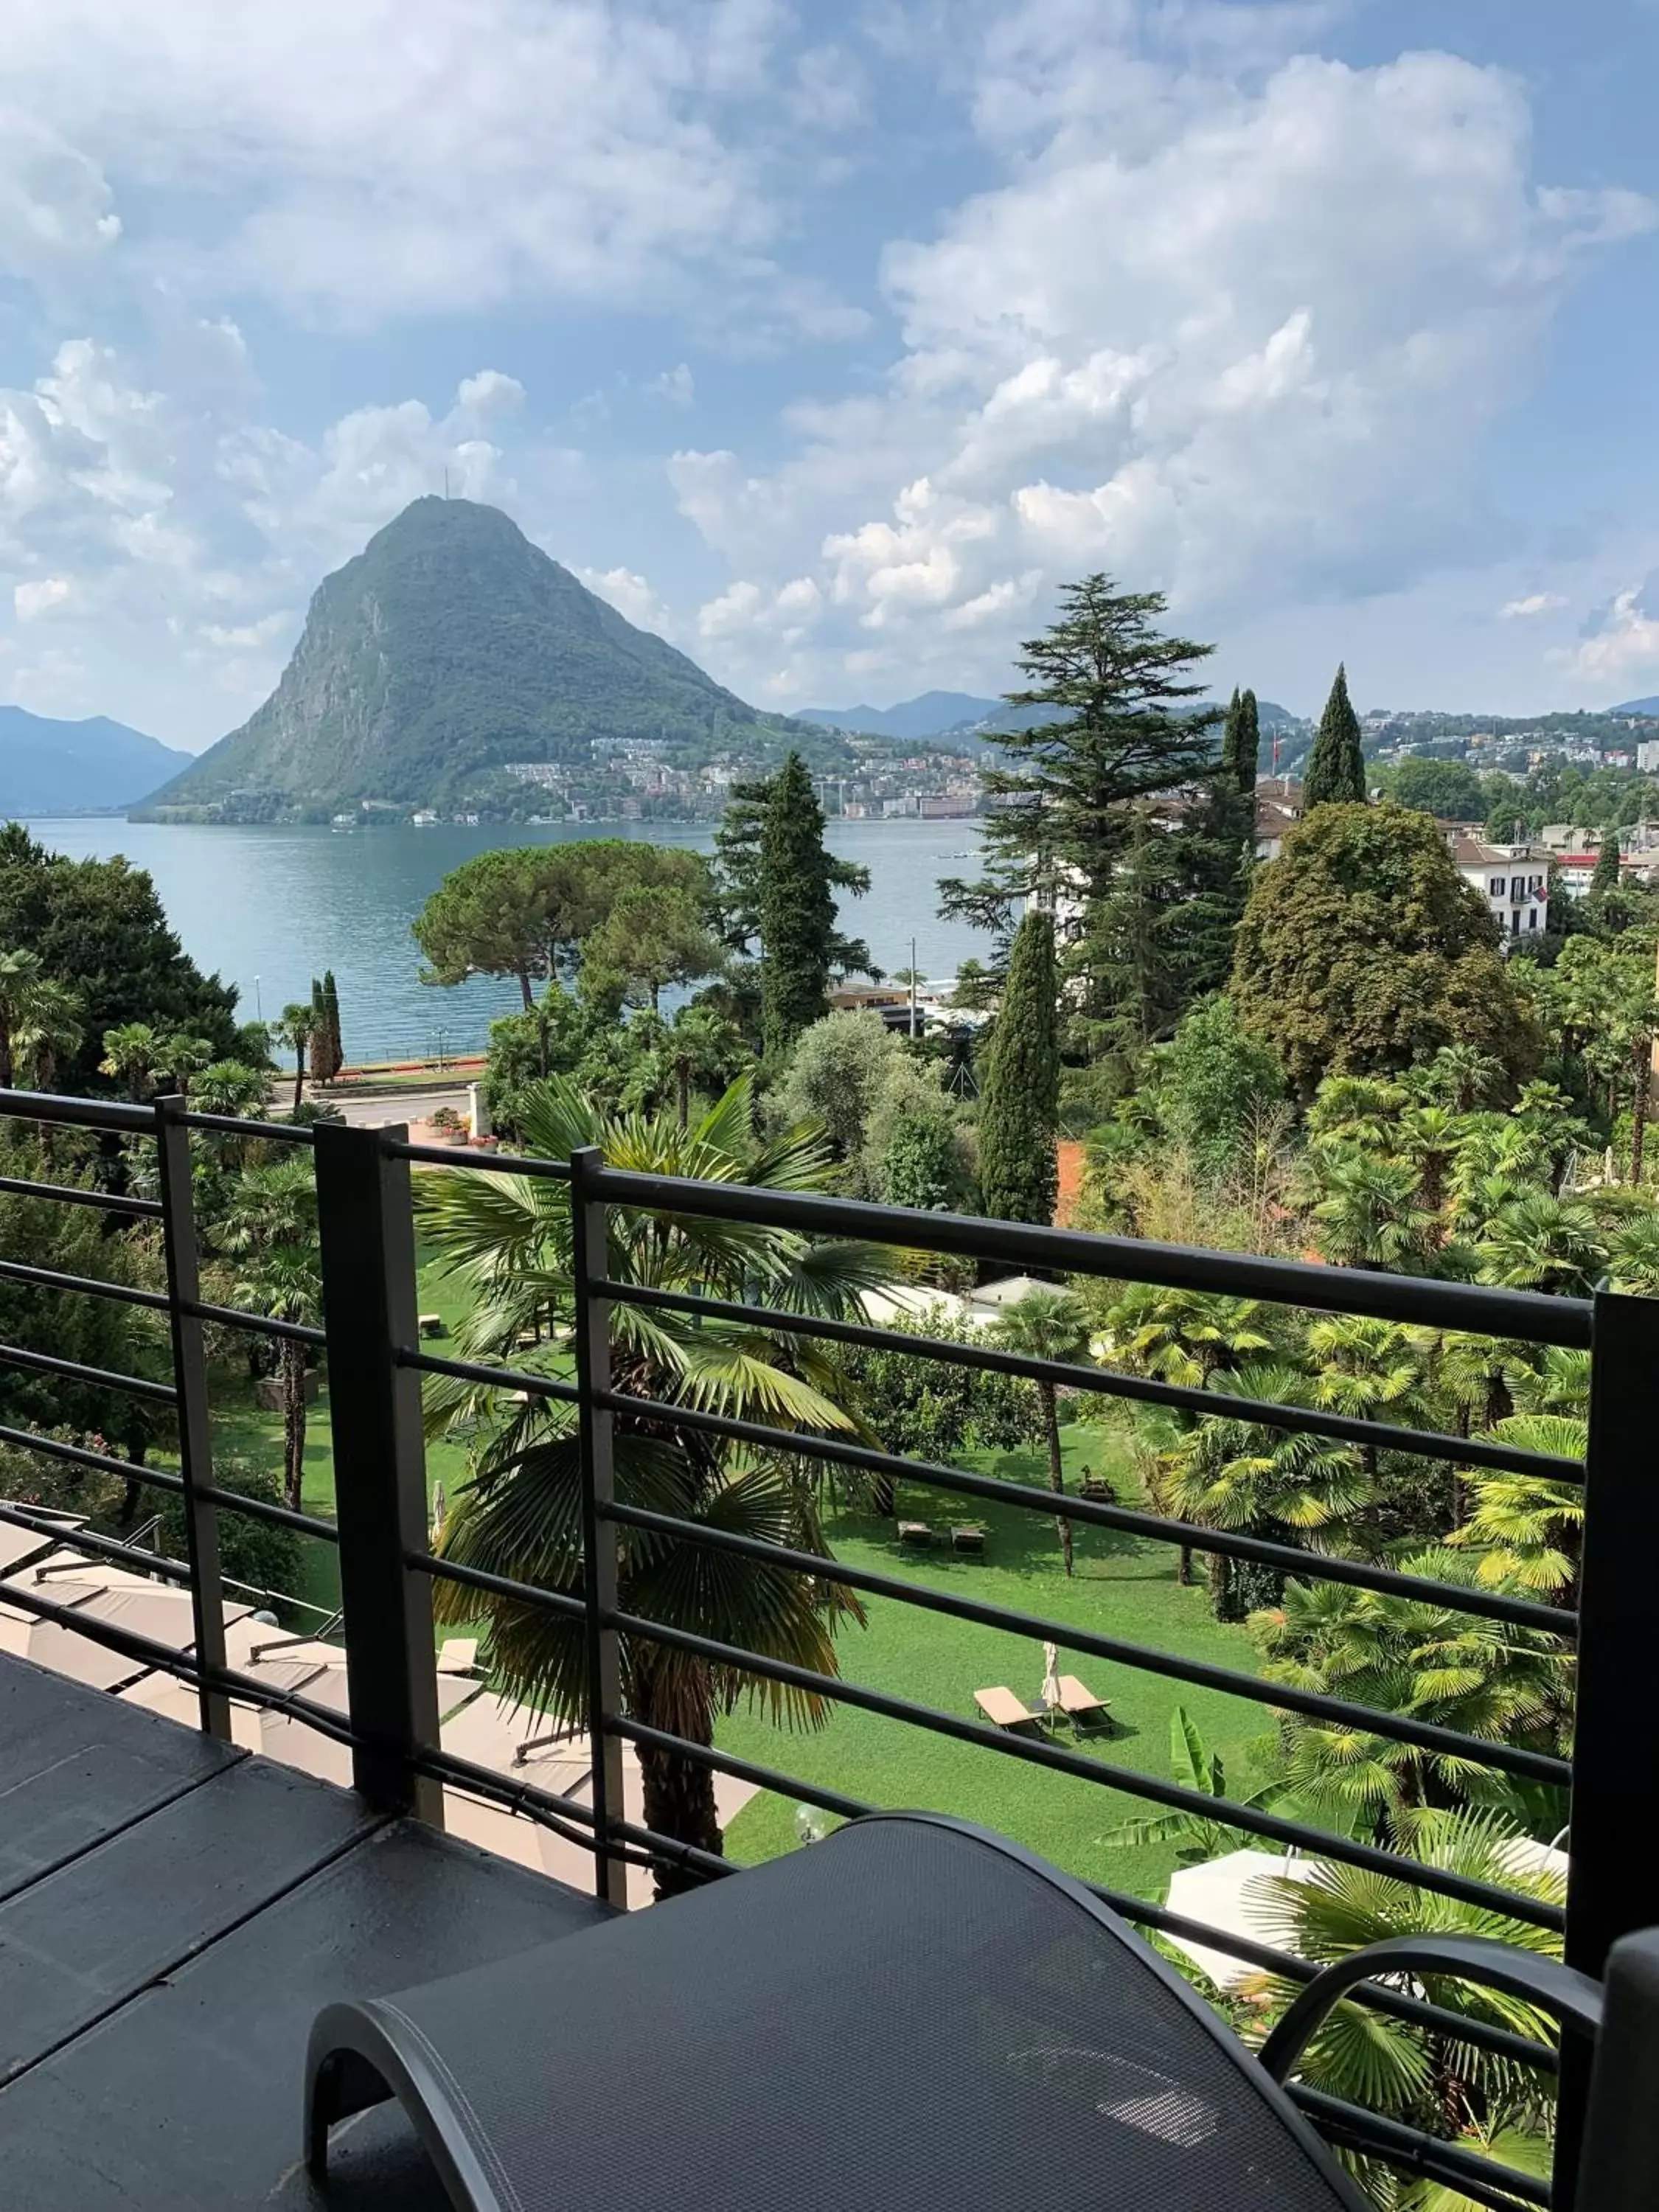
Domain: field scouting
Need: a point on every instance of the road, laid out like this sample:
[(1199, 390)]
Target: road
[(393, 1106)]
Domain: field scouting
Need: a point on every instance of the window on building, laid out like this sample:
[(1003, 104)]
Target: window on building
[(1532, 918), (1518, 888), (1495, 887), (1515, 921)]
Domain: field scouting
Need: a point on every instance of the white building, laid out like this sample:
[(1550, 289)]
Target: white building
[(1513, 879)]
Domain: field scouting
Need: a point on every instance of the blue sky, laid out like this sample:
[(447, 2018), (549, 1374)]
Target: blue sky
[(830, 339)]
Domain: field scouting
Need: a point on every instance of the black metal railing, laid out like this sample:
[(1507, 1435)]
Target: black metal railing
[(376, 1362)]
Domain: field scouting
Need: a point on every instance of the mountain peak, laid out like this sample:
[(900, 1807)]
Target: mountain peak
[(450, 648)]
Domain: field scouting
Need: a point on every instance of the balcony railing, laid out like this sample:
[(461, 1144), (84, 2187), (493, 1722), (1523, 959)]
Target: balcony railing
[(376, 1360)]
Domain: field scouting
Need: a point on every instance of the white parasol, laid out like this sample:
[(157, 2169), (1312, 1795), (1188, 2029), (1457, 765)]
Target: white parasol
[(1051, 1677)]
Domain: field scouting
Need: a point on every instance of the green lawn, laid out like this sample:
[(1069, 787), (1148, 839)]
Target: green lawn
[(1123, 1587)]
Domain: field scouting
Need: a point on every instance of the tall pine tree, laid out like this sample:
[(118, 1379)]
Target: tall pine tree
[(1336, 766), (1019, 1113), (1604, 876), (795, 908), (1117, 729)]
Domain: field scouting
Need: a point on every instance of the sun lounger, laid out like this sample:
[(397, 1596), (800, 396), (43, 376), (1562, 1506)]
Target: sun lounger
[(458, 1655), (1003, 1709), (431, 1324), (968, 1536), (1080, 1706), (918, 1533)]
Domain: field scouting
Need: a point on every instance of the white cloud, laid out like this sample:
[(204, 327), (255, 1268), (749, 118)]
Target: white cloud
[(1235, 327), (167, 538), (1624, 643), (31, 601), (354, 160), (676, 386), (1533, 602), (631, 596)]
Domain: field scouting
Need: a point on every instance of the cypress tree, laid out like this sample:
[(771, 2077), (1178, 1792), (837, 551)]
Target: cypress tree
[(1336, 766), (1605, 875), (316, 1050), (332, 1010), (797, 909), (1019, 1116), (1245, 757)]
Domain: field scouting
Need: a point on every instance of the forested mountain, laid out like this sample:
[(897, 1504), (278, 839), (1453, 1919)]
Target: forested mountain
[(93, 766), (450, 646), (960, 718)]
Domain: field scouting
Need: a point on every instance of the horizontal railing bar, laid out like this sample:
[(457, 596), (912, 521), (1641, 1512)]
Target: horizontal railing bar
[(1381, 1436), (81, 1113), (1530, 1315), (1191, 1535), (89, 1541), (76, 1370), (65, 1194), (1499, 2041), (233, 1125), (51, 1278), (571, 1821), (1537, 1767), (1174, 1794), (745, 1770), (161, 1478), (497, 1378), (451, 1571), (1409, 2149), (294, 1332), (659, 1846), (74, 1455), (452, 1156)]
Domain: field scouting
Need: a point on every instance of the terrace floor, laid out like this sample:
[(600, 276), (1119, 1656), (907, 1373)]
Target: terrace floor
[(172, 1913)]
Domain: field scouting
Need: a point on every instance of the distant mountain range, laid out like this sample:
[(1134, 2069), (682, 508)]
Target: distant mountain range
[(960, 717), (94, 767), (1648, 705), (450, 648)]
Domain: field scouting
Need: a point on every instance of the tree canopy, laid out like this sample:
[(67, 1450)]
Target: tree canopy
[(1361, 949), (795, 900), (97, 929)]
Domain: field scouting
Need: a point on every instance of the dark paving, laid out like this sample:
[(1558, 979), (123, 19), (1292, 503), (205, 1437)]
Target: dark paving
[(158, 1979)]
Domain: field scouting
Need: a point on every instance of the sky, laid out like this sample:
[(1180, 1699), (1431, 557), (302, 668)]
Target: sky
[(830, 337)]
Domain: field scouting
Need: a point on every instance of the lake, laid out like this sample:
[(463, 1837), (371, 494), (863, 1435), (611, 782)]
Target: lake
[(270, 908)]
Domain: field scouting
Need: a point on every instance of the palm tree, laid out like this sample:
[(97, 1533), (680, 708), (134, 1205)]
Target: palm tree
[(285, 1282), (227, 1086), (1367, 1369), (49, 1030), (1047, 1325), (1185, 1336), (1368, 1215), (270, 1227), (1542, 1243), (702, 1046), (1530, 1531), (1456, 2091), (1634, 1256), (508, 1239), (1254, 1480), (292, 1027), (1463, 1076), (1417, 1657), (1429, 1137), (182, 1055), (21, 981), (131, 1054)]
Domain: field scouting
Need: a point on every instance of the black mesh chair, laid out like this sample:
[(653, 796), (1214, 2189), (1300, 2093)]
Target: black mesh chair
[(914, 2012)]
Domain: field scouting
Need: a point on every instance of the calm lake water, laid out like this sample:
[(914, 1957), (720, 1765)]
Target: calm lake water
[(270, 908)]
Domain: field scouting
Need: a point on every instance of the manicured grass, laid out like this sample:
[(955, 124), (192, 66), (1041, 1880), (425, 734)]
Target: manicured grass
[(1123, 1587)]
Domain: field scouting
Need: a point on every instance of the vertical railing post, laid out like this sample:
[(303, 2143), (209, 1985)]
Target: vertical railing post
[(366, 1229), (1613, 1886), (589, 1243), (207, 1590)]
